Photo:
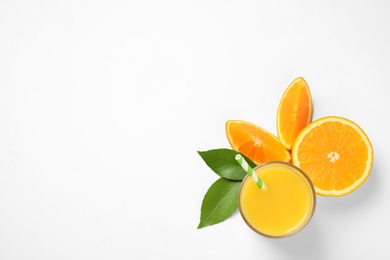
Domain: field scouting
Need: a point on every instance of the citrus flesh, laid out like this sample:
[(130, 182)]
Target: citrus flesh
[(294, 112), (255, 142), (335, 153)]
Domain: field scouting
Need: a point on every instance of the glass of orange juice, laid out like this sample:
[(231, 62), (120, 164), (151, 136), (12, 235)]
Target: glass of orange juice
[(283, 206)]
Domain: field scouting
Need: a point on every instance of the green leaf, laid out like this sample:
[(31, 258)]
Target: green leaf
[(223, 163), (220, 201)]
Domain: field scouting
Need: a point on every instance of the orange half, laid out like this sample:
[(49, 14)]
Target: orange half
[(294, 112), (256, 143), (335, 153)]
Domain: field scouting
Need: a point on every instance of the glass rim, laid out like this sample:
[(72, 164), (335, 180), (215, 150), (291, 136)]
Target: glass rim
[(308, 218)]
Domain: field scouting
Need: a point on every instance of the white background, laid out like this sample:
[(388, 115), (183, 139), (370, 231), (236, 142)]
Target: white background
[(103, 105)]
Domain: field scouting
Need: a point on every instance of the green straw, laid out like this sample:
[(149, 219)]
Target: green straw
[(249, 171)]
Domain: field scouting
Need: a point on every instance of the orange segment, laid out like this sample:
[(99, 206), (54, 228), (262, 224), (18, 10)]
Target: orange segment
[(294, 112), (255, 142), (335, 153)]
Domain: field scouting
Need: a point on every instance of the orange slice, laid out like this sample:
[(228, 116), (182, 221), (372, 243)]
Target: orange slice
[(294, 112), (255, 142), (335, 153)]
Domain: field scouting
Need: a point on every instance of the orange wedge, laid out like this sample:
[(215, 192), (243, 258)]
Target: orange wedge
[(294, 112), (255, 142), (335, 153)]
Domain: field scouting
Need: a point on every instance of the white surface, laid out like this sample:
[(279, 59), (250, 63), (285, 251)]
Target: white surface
[(103, 105)]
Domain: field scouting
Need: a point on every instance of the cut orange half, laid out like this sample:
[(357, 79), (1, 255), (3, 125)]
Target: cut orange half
[(335, 153), (294, 112), (258, 144)]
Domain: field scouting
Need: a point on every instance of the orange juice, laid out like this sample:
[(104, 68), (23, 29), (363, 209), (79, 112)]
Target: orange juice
[(283, 206)]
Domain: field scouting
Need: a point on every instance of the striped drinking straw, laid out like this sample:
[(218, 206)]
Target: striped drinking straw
[(249, 171)]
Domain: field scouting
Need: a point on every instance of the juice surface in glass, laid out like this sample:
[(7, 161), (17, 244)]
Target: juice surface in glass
[(284, 206)]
